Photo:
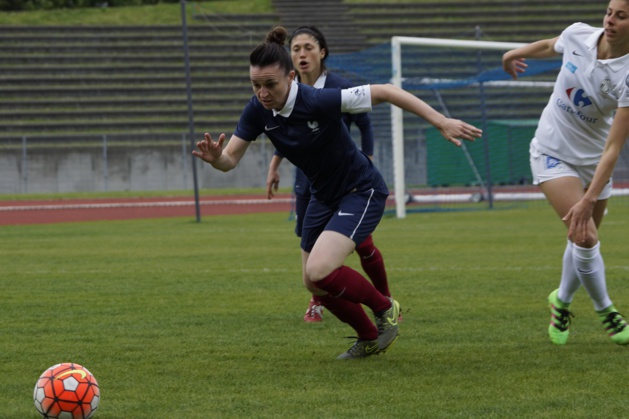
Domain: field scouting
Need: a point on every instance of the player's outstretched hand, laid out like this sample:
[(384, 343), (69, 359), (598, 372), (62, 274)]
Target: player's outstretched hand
[(272, 183), (209, 150), (454, 130), (513, 66)]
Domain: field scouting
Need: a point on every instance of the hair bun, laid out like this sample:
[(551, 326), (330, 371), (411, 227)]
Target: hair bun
[(277, 35)]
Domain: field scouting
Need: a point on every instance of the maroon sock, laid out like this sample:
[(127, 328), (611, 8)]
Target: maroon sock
[(348, 284), (373, 265), (351, 313)]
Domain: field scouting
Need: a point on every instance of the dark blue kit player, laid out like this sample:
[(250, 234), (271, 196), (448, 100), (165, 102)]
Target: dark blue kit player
[(309, 51), (306, 126)]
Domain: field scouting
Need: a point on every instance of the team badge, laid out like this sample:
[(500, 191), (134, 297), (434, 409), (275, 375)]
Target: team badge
[(606, 86), (627, 80)]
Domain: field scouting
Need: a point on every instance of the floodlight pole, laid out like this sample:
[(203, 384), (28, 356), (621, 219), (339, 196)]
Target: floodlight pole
[(190, 109)]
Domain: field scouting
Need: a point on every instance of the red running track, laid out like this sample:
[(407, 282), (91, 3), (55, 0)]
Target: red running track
[(78, 210)]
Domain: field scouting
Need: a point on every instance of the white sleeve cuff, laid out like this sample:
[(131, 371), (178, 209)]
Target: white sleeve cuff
[(356, 99)]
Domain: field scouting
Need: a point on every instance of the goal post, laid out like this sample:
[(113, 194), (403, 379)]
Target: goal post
[(397, 120)]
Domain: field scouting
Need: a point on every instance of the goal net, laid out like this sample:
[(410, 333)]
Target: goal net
[(462, 79)]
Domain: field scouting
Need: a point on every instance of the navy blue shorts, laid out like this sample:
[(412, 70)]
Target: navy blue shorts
[(355, 216), (301, 205)]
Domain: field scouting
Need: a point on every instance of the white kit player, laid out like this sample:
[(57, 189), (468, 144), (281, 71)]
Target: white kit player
[(592, 85)]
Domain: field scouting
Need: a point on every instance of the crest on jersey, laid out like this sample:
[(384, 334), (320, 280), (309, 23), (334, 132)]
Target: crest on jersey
[(606, 86), (313, 125)]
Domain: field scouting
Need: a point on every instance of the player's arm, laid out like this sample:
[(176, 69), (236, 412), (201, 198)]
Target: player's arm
[(223, 159), (513, 62), (451, 129), (273, 177), (581, 212)]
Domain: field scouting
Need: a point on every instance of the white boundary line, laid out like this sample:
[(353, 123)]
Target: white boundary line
[(428, 198), (110, 205)]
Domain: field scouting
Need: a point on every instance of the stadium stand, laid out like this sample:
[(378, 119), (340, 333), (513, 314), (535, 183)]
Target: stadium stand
[(129, 82), (492, 20), (60, 81)]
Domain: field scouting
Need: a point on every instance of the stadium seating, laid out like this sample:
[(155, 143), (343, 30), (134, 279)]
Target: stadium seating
[(81, 82)]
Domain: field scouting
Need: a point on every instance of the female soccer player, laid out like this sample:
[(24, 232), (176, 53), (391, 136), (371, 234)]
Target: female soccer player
[(306, 126), (592, 86), (309, 50)]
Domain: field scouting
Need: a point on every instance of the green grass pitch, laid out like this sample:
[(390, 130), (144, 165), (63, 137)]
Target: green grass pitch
[(184, 320)]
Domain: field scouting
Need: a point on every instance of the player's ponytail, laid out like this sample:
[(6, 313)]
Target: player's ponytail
[(272, 51)]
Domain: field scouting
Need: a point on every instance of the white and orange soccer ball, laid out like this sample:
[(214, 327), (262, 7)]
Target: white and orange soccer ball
[(66, 391)]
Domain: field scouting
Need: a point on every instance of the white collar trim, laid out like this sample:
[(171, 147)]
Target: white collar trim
[(290, 102), (320, 83)]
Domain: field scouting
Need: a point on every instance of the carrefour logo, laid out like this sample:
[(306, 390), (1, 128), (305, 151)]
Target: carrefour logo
[(578, 98)]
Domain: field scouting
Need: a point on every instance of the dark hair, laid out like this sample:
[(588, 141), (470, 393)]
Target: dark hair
[(272, 51), (316, 34)]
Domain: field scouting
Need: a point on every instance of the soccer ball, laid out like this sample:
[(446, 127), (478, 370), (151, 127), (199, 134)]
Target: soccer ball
[(66, 391)]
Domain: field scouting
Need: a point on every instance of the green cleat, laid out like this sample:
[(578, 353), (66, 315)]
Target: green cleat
[(560, 319), (361, 349), (387, 323), (615, 325)]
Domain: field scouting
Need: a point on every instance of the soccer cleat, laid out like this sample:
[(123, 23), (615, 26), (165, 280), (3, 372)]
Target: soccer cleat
[(616, 326), (314, 314), (361, 349), (560, 319), (387, 323)]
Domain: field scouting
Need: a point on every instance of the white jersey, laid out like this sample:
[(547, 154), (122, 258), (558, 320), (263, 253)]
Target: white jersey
[(576, 121)]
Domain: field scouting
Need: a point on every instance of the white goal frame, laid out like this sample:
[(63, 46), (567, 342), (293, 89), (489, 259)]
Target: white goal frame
[(397, 122)]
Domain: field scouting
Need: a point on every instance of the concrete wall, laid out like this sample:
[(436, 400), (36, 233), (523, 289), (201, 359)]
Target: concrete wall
[(51, 169)]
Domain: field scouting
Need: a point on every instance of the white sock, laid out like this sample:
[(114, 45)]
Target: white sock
[(570, 282), (591, 271)]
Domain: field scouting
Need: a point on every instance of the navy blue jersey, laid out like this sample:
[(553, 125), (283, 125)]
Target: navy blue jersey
[(314, 138), (362, 120)]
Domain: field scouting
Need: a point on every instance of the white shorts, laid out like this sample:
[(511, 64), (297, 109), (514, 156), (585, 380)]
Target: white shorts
[(544, 167)]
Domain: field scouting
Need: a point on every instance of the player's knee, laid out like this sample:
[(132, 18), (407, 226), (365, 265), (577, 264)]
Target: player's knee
[(317, 271), (589, 240)]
